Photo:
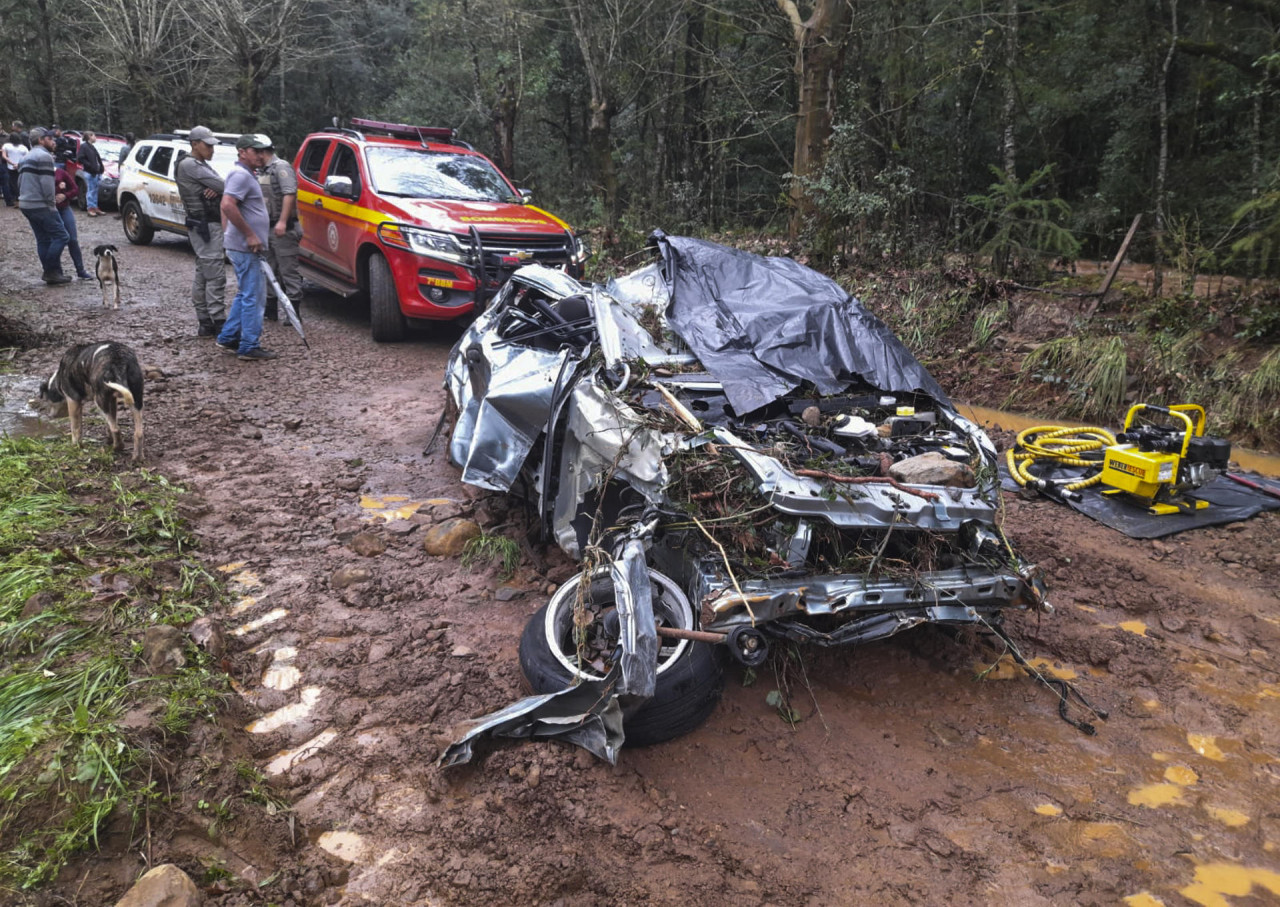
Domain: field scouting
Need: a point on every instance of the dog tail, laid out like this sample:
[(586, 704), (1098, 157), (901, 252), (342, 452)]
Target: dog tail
[(125, 394)]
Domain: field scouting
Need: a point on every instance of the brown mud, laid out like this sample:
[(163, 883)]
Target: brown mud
[(906, 780)]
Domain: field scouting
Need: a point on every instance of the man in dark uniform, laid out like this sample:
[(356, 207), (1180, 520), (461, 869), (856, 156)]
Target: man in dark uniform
[(280, 189), (200, 188)]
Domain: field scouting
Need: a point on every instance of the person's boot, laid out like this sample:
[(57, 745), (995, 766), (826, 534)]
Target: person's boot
[(207, 329), (217, 326), (272, 311), (56, 278)]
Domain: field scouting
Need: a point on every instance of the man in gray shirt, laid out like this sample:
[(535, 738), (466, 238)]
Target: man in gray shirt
[(38, 200), (200, 189), (244, 211)]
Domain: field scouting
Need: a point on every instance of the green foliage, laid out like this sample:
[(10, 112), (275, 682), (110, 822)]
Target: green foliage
[(492, 549), (80, 550), (1019, 230), (1259, 249), (1094, 371)]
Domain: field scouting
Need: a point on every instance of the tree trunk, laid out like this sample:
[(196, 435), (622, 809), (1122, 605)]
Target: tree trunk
[(1162, 163), (1009, 146), (819, 44)]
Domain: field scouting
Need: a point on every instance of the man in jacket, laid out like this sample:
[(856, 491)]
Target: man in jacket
[(38, 200), (200, 189), (89, 158)]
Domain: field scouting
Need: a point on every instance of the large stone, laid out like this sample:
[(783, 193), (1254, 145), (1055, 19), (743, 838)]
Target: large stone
[(447, 539), (366, 544), (164, 886), (162, 649), (349, 576), (933, 468)]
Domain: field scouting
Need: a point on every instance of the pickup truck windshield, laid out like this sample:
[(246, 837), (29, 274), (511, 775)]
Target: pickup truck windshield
[(418, 173)]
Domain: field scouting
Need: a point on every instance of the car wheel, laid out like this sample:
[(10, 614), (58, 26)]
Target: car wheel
[(384, 305), (137, 226), (690, 675)]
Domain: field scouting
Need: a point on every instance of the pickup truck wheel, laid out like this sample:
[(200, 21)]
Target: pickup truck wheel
[(690, 675), (137, 226), (384, 305)]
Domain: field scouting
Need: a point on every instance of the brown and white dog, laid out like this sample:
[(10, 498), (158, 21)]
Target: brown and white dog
[(108, 272), (107, 373)]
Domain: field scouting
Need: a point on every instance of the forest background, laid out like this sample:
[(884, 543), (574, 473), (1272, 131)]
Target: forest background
[(871, 131)]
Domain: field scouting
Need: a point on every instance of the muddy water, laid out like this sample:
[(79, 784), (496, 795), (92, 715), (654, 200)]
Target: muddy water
[(17, 417), (1252, 461)]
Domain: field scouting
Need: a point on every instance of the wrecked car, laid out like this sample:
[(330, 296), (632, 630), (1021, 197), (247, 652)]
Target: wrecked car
[(737, 452)]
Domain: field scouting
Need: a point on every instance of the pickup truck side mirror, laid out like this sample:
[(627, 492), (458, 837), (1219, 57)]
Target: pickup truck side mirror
[(340, 186), (526, 196)]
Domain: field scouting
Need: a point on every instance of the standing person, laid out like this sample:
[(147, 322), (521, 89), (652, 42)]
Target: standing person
[(38, 200), (280, 189), (200, 189), (62, 142), (128, 147), (244, 211), (64, 185), (14, 151), (90, 159)]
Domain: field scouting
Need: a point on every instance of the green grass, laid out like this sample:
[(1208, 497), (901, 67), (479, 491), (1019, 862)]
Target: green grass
[(94, 556), (492, 549)]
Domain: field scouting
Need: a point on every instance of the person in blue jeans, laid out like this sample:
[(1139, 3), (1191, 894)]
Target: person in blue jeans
[(38, 200), (64, 185), (245, 240)]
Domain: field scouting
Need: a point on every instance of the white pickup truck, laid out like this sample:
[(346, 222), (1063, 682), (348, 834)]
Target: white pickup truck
[(148, 195)]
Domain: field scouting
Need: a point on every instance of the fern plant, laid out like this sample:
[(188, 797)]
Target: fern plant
[(1019, 229)]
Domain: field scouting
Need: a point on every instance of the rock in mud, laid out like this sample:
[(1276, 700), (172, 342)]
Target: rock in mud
[(933, 468), (447, 539), (351, 483), (366, 544), (209, 636), (162, 649), (349, 576), (164, 886)]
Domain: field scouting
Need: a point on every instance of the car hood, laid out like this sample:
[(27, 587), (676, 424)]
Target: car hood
[(487, 217)]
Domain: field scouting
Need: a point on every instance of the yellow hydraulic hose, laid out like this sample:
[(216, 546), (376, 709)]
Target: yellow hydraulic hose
[(1060, 445)]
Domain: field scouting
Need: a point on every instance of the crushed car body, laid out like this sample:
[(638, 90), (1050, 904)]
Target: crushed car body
[(737, 452)]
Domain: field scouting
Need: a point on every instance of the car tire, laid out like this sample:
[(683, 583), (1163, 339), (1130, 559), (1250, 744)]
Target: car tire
[(385, 320), (137, 226), (690, 676)]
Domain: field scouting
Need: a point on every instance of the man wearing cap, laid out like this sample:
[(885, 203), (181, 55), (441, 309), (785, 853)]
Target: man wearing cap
[(38, 199), (244, 211), (200, 188), (280, 189)]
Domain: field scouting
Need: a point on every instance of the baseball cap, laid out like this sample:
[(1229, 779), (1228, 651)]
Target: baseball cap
[(38, 132), (253, 140), (203, 134)]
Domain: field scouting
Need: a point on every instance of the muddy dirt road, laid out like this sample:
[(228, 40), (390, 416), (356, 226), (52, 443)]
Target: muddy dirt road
[(906, 781)]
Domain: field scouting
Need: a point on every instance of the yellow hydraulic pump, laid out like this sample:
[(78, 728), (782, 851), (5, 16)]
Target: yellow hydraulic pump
[(1160, 461)]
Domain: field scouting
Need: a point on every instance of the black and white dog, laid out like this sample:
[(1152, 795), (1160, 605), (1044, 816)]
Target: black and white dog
[(108, 272), (108, 374)]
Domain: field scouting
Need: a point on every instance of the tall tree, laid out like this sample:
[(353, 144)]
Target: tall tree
[(819, 41)]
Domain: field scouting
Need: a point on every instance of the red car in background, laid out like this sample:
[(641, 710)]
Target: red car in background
[(421, 223)]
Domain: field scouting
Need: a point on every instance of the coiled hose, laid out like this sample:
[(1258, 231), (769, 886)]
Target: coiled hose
[(1059, 445)]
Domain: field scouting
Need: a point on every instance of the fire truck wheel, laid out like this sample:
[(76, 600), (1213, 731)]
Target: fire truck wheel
[(384, 305)]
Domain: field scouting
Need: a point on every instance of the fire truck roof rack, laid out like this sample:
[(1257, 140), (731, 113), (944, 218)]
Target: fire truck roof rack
[(424, 134)]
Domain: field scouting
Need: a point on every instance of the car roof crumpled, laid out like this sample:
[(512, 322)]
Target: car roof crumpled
[(762, 326)]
